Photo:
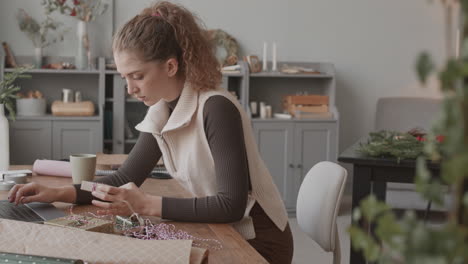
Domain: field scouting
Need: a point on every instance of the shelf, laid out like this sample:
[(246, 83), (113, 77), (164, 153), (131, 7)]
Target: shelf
[(52, 71), (285, 75), (132, 100), (266, 120), (232, 74), (129, 100), (228, 74), (59, 118)]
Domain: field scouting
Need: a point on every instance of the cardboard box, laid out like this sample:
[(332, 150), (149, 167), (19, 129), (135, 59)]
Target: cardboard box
[(305, 104)]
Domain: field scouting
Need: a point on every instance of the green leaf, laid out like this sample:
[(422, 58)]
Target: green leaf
[(361, 241), (7, 88), (371, 208), (10, 109), (454, 169), (388, 229), (357, 214), (452, 73), (465, 199), (430, 188), (424, 66)]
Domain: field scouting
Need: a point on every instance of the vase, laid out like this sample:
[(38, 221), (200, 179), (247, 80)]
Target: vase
[(4, 141), (38, 57), (81, 59)]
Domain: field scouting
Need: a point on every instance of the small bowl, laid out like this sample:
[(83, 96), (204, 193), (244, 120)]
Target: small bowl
[(30, 107), (16, 177), (6, 185)]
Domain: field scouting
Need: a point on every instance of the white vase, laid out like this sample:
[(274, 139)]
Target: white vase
[(81, 58), (38, 57), (4, 141)]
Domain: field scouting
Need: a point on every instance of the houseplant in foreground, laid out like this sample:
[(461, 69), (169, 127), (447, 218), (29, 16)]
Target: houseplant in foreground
[(411, 240), (8, 88)]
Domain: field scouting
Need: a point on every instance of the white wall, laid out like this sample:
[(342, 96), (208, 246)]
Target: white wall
[(373, 43)]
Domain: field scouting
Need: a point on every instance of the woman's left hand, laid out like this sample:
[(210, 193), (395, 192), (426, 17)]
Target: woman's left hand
[(124, 200)]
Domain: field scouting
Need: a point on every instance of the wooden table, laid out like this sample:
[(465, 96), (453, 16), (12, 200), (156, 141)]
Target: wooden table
[(235, 248), (371, 176)]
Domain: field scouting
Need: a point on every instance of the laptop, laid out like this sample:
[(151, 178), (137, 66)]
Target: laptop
[(31, 212)]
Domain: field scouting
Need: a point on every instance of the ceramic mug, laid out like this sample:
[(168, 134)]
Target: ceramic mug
[(83, 167)]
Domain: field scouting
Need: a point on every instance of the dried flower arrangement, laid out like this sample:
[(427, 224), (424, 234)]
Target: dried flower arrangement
[(84, 10), (39, 33)]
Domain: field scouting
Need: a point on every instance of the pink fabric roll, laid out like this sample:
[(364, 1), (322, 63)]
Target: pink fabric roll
[(52, 168)]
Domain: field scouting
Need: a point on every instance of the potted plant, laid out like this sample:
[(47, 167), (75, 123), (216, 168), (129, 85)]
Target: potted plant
[(411, 240), (8, 89), (7, 95)]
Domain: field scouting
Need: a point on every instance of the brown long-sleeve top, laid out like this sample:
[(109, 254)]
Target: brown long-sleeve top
[(223, 129)]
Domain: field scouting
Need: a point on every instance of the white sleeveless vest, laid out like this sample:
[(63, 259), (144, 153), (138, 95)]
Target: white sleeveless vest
[(187, 155)]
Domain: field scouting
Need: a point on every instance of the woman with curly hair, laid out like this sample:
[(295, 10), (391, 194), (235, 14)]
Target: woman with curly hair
[(200, 130)]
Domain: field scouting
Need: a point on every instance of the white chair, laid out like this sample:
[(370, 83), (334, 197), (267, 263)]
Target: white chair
[(318, 203)]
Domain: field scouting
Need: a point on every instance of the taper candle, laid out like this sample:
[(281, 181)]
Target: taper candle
[(273, 50)]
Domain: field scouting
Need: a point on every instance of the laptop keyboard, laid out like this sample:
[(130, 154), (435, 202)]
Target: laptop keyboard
[(18, 212)]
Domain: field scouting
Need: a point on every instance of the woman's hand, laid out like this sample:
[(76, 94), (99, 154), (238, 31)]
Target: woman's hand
[(34, 192), (126, 200)]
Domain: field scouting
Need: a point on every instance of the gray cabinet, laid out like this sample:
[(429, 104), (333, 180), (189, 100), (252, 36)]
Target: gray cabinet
[(313, 143), (30, 140), (290, 148), (46, 139), (275, 142), (72, 137), (55, 137)]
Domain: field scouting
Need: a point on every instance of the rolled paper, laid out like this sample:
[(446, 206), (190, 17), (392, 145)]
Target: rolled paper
[(265, 68), (52, 168)]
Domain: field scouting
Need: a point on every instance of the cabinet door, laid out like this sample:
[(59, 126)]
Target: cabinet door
[(313, 142), (275, 143), (30, 140), (72, 137)]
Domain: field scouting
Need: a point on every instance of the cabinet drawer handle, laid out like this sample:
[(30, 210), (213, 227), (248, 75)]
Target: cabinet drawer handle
[(299, 166), (119, 142), (291, 166)]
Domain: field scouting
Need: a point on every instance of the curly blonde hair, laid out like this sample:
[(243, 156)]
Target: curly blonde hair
[(167, 30)]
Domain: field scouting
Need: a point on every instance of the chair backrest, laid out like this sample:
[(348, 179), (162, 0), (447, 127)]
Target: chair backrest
[(318, 203), (405, 113)]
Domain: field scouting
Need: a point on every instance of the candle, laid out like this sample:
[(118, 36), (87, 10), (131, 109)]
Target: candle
[(264, 68), (263, 113), (274, 68)]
